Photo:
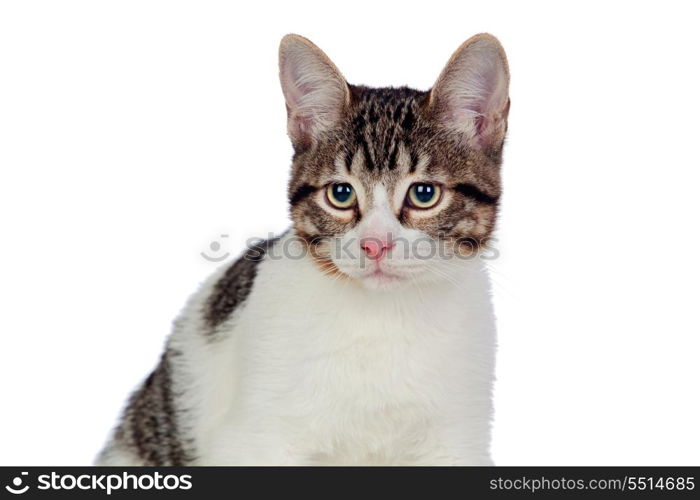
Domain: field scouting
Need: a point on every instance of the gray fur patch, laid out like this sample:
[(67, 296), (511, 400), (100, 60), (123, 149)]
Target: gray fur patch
[(235, 285), (149, 426)]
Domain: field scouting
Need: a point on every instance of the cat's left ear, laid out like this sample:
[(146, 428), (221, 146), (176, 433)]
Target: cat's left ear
[(471, 94), (315, 91)]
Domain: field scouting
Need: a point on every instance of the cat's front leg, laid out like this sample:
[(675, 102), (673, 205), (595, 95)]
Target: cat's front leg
[(250, 444), (464, 441), (455, 457), (473, 460), (272, 453)]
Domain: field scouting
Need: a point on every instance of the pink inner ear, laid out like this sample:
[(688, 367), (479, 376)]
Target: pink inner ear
[(474, 91), (313, 89), (303, 124), (300, 128), (480, 124), (299, 89)]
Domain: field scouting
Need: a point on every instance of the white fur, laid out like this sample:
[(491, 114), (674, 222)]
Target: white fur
[(318, 370)]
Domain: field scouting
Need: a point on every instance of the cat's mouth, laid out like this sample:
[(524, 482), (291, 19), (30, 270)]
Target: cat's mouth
[(380, 277), (382, 273)]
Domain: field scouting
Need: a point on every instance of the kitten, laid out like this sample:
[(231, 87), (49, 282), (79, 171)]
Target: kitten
[(365, 334)]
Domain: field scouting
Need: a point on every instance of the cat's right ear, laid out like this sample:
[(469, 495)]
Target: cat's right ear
[(315, 91), (471, 94)]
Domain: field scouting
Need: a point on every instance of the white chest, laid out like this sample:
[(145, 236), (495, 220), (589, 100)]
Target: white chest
[(318, 362)]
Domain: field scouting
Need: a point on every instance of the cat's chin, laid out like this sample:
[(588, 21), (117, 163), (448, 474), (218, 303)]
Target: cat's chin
[(382, 280)]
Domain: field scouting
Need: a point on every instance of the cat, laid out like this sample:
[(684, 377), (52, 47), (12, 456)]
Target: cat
[(365, 334)]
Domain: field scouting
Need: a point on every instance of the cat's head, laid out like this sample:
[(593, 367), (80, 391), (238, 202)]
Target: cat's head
[(395, 185)]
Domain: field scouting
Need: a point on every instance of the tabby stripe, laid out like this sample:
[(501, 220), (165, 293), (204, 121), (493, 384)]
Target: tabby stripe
[(392, 157), (409, 119), (473, 192), (414, 162), (368, 158), (348, 162), (302, 193), (149, 424), (234, 286)]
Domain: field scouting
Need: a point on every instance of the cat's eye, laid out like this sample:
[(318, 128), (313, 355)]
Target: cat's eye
[(341, 196), (423, 195)]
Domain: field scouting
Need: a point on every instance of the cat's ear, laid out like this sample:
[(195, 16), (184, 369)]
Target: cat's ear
[(471, 94), (315, 91)]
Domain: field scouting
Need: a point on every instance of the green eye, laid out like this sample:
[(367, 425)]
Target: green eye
[(341, 196), (423, 195)]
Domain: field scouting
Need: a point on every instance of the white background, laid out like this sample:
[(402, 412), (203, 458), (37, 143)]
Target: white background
[(135, 133)]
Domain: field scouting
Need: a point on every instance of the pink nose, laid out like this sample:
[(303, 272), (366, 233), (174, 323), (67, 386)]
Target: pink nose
[(375, 248)]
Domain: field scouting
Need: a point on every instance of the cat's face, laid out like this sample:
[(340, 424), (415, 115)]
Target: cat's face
[(393, 186)]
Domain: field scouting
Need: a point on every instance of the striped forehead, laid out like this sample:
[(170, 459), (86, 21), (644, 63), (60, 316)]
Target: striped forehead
[(379, 188), (381, 125), (354, 161)]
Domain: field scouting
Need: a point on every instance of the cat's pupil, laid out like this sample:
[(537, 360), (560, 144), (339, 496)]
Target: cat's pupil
[(342, 192), (424, 192)]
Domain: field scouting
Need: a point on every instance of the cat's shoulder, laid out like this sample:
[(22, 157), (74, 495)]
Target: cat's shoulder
[(231, 288)]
